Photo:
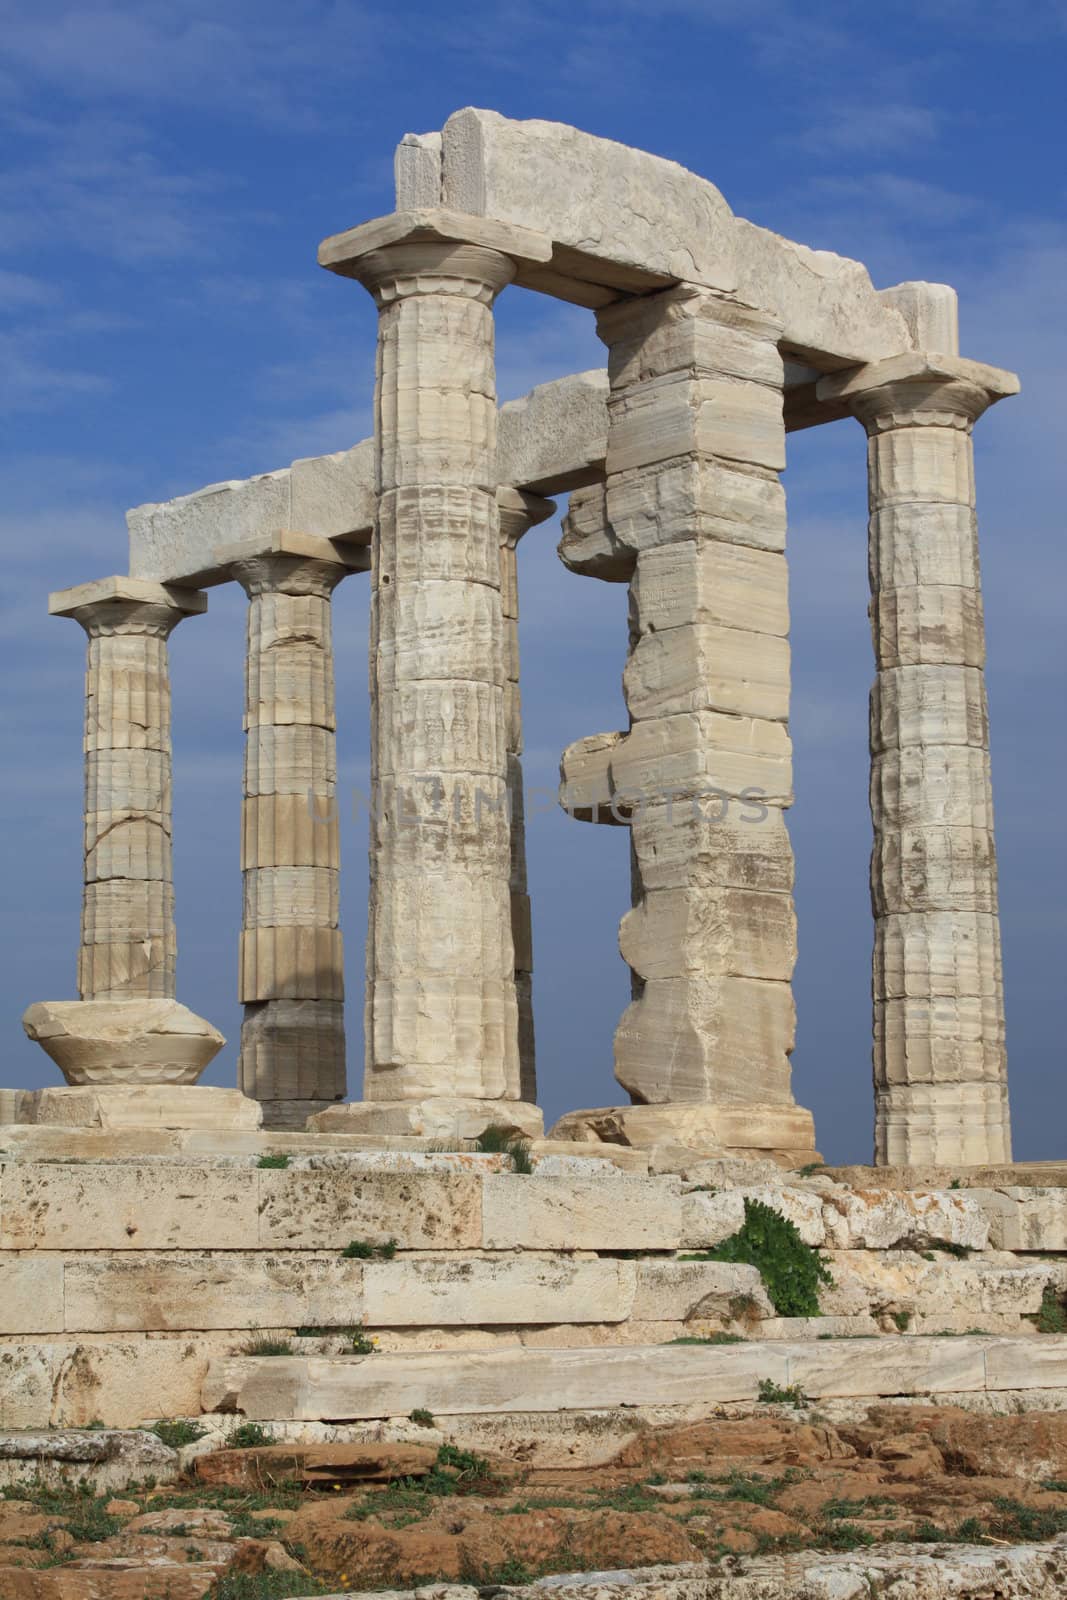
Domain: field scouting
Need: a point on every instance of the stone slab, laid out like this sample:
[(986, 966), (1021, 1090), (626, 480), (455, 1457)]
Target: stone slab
[(620, 1213), (52, 1206), (708, 1128), (327, 1210), (115, 1107), (510, 1290), (432, 1118)]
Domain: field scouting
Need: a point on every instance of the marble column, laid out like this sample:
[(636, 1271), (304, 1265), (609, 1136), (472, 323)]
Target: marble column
[(518, 513), (292, 961), (696, 441), (442, 1017), (128, 945), (940, 1072)]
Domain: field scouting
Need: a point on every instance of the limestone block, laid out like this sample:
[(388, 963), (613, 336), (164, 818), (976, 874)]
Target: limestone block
[(417, 170), (324, 1211), (621, 1213), (174, 1290), (930, 1043), (825, 302), (927, 868), (290, 830), (1025, 1219), (1026, 1364), (710, 1039), (93, 1206), (432, 1117), (921, 464), (889, 1366), (444, 727), (934, 624), (938, 953), (686, 330), (123, 1041), (291, 896), (31, 1294), (929, 706), (114, 1107), (922, 787), (924, 543), (291, 963), (930, 312), (710, 932), (134, 781), (406, 1018), (333, 495), (176, 540), (436, 533), (514, 1291), (615, 215), (697, 499), (70, 1383), (588, 545), (294, 760), (705, 667), (881, 1219), (585, 779), (954, 1123), (679, 416), (555, 438), (682, 844), (441, 630), (106, 1458), (706, 753), (685, 1291), (444, 923), (293, 1050), (695, 1129), (731, 586), (504, 1380)]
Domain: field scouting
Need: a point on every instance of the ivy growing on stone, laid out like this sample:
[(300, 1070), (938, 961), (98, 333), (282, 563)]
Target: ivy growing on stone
[(792, 1271)]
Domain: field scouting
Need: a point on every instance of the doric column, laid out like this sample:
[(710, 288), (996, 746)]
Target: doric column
[(940, 1074), (442, 1018), (128, 945), (291, 961), (518, 513), (695, 444)]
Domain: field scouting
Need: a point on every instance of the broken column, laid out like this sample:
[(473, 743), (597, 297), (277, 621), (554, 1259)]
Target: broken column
[(441, 1022), (518, 513), (695, 444), (291, 960), (129, 1052), (940, 1069)]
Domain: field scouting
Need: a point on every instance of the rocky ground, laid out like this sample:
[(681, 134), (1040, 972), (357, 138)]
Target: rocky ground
[(270, 1521)]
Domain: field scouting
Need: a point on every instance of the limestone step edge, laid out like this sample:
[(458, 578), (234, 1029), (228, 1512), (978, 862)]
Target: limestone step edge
[(452, 1383)]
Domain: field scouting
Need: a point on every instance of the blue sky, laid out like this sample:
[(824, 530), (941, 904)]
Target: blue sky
[(170, 169)]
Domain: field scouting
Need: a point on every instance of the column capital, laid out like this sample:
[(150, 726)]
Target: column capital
[(519, 512), (288, 562), (433, 252), (122, 604), (918, 389)]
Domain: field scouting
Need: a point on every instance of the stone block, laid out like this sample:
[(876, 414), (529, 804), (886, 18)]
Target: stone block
[(675, 416), (708, 1039), (685, 1291), (31, 1293), (326, 1211), (705, 667), (124, 1383), (97, 1206), (1027, 1363), (1024, 1219), (555, 438), (872, 1219), (176, 1291), (710, 932), (123, 1041), (435, 1117), (688, 844), (697, 498), (114, 1108), (889, 1366), (514, 1291), (620, 1213), (711, 581), (706, 754)]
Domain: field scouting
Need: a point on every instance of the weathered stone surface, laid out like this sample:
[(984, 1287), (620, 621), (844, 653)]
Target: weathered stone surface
[(1024, 1219), (506, 1290), (134, 1207), (31, 1294), (123, 1041), (115, 1108), (432, 1117), (880, 1220), (323, 1211), (581, 1214), (696, 1126), (109, 1458)]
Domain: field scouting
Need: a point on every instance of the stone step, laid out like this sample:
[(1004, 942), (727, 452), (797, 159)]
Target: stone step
[(458, 1383)]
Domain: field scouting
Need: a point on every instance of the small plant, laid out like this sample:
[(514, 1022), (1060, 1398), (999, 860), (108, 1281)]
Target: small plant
[(177, 1431), (810, 1168), (957, 1183), (1052, 1318), (361, 1345), (274, 1162), (770, 1393), (267, 1347), (247, 1435), (268, 1586), (497, 1140), (424, 1418), (950, 1248), (902, 1320), (364, 1250), (791, 1270)]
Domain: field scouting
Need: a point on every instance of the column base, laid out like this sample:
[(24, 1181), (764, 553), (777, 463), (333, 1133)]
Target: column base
[(778, 1132), (150, 1105), (293, 1114), (440, 1118), (123, 1042)]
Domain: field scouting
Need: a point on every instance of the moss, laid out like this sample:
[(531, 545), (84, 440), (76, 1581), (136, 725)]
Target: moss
[(1052, 1318)]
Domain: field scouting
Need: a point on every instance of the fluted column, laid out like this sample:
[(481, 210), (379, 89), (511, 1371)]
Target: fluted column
[(291, 959), (128, 944), (696, 440), (442, 1019), (518, 513), (940, 1071)]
